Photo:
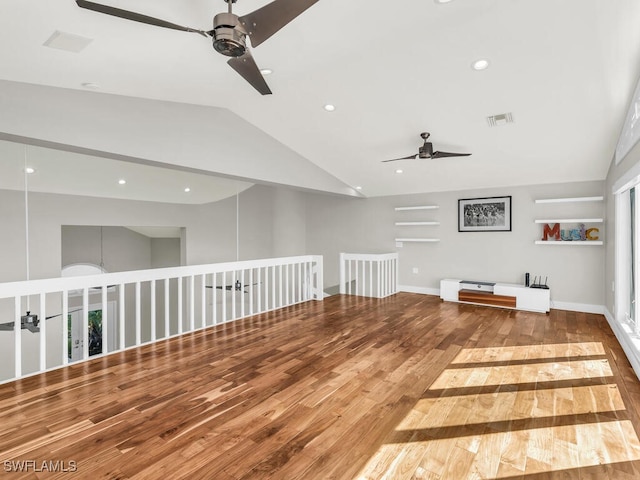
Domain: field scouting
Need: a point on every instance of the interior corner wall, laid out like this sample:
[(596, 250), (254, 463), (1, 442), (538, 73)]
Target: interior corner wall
[(575, 273)]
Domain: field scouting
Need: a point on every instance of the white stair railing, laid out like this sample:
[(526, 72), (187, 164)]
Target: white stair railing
[(369, 275), (150, 305)]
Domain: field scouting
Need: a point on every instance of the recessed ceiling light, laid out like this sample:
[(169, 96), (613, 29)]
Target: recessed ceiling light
[(442, 1), (358, 187), (90, 85), (481, 64), (266, 71), (329, 108), (122, 181), (399, 170), (30, 170), (187, 190)]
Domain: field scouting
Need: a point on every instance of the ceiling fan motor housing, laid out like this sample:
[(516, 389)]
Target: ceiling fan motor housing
[(227, 39)]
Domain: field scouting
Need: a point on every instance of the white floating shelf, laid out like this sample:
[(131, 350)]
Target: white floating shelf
[(567, 200), (417, 239), (422, 207), (571, 220), (417, 223), (576, 243)]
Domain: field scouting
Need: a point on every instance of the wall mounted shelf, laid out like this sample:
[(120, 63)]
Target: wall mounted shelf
[(569, 200), (416, 223), (571, 220), (574, 243), (420, 207), (402, 224), (417, 239), (556, 234)]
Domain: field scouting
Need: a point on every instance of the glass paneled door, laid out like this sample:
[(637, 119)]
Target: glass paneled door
[(96, 317)]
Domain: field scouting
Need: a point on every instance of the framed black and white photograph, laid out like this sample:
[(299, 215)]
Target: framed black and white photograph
[(490, 214)]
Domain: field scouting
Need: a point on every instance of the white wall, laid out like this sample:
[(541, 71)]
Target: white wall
[(367, 226)]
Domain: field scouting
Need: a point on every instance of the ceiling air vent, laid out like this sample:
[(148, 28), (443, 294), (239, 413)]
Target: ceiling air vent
[(67, 41), (500, 119)]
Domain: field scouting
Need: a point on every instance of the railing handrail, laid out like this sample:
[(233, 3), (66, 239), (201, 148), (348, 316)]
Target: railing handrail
[(369, 256), (51, 285)]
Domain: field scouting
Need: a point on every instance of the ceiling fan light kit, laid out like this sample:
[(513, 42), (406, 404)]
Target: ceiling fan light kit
[(229, 33)]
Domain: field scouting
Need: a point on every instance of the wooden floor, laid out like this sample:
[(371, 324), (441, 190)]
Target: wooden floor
[(349, 388)]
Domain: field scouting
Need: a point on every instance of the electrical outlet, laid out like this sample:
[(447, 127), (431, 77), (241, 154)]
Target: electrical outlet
[(415, 270)]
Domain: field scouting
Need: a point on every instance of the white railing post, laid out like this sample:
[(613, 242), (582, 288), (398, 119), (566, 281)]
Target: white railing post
[(85, 323), (65, 327), (138, 314), (343, 286), (192, 304), (121, 327), (17, 337), (167, 309), (43, 331), (180, 326), (153, 310), (105, 319), (319, 285), (203, 301)]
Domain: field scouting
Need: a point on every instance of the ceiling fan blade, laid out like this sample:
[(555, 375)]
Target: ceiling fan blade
[(448, 154), (247, 68), (6, 327), (136, 17), (410, 157), (264, 22)]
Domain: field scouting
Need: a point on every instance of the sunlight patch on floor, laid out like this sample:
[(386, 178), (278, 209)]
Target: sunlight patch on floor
[(517, 374), (527, 428), (447, 411), (499, 455), (502, 354)]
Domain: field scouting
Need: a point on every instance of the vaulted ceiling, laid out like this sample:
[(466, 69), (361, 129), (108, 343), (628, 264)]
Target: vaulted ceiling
[(565, 70)]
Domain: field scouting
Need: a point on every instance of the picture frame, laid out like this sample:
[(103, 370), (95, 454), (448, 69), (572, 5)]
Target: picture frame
[(486, 214)]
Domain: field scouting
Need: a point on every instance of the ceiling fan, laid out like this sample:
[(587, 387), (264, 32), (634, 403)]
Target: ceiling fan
[(229, 31), (235, 286), (426, 151), (30, 322)]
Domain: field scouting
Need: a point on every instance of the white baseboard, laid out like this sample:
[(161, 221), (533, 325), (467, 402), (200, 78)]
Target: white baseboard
[(423, 290), (625, 342), (578, 307)]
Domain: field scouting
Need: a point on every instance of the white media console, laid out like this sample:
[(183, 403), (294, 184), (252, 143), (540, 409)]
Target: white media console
[(505, 295)]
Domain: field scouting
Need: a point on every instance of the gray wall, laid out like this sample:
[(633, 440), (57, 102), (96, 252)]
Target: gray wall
[(122, 249), (165, 252), (367, 226)]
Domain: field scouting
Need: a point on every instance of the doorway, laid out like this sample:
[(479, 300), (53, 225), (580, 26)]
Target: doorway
[(96, 317)]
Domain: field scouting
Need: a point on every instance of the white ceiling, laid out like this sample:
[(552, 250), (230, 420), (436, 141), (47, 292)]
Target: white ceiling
[(565, 69)]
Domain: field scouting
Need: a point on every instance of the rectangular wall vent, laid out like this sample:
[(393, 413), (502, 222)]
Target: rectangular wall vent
[(500, 119)]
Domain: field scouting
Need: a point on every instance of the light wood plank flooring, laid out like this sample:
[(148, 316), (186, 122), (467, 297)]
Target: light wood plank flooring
[(406, 387)]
